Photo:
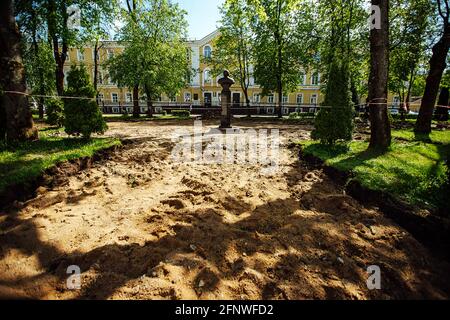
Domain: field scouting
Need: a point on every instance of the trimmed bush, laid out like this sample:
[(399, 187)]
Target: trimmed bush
[(181, 113), (82, 116), (55, 112), (335, 120)]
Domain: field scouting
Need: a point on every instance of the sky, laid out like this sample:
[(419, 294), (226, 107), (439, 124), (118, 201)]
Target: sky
[(203, 16)]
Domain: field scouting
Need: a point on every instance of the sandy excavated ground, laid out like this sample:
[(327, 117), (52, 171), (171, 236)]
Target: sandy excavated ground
[(143, 227)]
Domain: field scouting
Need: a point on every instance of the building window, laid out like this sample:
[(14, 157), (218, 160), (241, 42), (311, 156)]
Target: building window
[(128, 97), (100, 97), (115, 97), (271, 98), (396, 101), (285, 99), (80, 55), (256, 98), (187, 97), (299, 98), (315, 80), (195, 96), (110, 54), (207, 52), (302, 78), (313, 99), (207, 77)]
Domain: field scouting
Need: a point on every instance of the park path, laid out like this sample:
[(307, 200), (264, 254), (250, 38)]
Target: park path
[(140, 226)]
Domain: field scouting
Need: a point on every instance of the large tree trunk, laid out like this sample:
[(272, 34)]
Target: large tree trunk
[(19, 121), (136, 108), (437, 67), (378, 82)]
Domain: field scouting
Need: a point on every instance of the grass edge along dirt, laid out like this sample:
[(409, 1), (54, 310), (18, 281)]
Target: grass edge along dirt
[(27, 161), (413, 169)]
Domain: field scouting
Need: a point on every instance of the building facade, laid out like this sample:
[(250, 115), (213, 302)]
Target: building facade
[(203, 89)]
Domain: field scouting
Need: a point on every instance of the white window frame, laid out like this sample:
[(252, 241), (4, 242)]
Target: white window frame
[(210, 51), (314, 96), (187, 97), (271, 97), (210, 82), (312, 79), (285, 99), (303, 76), (112, 97), (80, 55), (257, 98), (128, 97), (297, 98), (110, 53), (101, 97)]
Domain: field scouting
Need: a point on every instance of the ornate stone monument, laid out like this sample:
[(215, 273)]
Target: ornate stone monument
[(226, 82)]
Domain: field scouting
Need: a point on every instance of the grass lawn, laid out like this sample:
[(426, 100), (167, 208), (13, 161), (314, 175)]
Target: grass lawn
[(413, 169), (29, 160)]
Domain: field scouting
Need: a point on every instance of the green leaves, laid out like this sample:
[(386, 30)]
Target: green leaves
[(154, 57)]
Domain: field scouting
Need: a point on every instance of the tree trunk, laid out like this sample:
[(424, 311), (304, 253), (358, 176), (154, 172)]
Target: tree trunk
[(437, 67), (60, 57), (19, 121), (136, 108), (149, 102), (96, 64), (149, 108), (247, 101), (378, 81)]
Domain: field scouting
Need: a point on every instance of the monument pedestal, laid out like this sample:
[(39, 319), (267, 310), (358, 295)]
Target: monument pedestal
[(226, 82)]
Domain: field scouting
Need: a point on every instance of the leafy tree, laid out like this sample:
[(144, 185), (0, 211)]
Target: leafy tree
[(342, 28), (81, 116), (37, 52), (437, 67), (55, 112), (409, 26), (234, 47), (40, 71), (335, 119), (284, 43), (15, 116), (155, 52), (49, 20)]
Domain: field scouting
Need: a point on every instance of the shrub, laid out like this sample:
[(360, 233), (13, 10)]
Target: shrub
[(181, 113), (335, 122), (55, 112), (82, 116), (294, 115)]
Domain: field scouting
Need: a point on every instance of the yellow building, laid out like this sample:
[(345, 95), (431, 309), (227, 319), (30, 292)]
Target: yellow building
[(203, 90)]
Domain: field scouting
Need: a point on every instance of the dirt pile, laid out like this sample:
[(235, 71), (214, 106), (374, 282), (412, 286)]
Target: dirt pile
[(143, 227)]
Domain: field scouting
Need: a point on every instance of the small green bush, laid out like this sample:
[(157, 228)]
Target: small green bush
[(335, 120), (294, 115), (55, 112), (181, 113), (82, 116)]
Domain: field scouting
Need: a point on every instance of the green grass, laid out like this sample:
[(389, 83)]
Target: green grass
[(413, 169), (27, 161)]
